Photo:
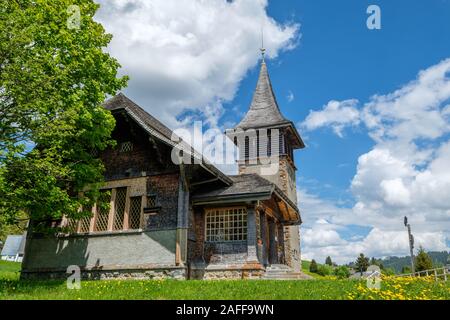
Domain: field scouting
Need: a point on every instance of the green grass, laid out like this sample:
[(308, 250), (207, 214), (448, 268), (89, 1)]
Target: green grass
[(9, 270), (12, 288)]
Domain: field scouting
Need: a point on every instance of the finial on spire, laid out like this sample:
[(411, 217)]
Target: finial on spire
[(263, 50)]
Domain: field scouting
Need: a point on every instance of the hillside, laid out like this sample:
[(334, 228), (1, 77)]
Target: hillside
[(397, 263)]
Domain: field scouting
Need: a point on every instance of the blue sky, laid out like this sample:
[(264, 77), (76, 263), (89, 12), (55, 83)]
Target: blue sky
[(199, 60), (339, 58)]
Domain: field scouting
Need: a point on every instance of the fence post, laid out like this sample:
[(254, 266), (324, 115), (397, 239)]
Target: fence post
[(435, 275), (445, 274)]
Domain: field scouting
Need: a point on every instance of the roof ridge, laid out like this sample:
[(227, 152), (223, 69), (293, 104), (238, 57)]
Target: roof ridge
[(121, 101)]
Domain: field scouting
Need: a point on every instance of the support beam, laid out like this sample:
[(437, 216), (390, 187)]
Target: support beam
[(251, 235)]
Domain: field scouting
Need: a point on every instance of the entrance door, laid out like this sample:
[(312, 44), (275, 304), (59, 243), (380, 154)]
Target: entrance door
[(273, 243)]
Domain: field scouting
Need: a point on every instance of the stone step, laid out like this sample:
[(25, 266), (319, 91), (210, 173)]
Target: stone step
[(283, 272), (291, 276)]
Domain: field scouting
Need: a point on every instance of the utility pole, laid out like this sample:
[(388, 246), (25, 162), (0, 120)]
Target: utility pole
[(411, 244)]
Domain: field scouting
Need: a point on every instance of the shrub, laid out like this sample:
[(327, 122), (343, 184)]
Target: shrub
[(406, 269), (388, 272), (324, 270), (342, 272)]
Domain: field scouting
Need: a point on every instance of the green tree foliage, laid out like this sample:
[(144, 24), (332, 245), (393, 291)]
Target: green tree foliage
[(388, 271), (423, 261), (313, 266), (324, 270), (328, 261), (342, 272), (406, 269), (362, 263), (53, 80)]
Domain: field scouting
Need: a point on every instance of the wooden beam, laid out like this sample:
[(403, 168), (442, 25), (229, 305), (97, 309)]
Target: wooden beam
[(112, 210)]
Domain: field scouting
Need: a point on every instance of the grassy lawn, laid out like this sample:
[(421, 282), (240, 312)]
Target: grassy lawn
[(324, 288)]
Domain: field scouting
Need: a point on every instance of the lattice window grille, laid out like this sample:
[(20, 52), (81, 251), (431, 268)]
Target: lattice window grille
[(224, 225), (151, 201), (102, 216), (134, 217), (126, 147), (72, 225), (85, 225), (119, 208)]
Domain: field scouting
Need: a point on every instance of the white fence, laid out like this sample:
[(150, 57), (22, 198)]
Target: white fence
[(438, 273)]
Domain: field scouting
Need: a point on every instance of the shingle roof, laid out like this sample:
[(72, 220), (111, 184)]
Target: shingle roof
[(154, 127), (264, 111), (250, 185), (243, 184), (121, 101), (12, 246)]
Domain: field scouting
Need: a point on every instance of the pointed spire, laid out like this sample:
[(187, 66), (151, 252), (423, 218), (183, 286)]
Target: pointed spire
[(264, 110)]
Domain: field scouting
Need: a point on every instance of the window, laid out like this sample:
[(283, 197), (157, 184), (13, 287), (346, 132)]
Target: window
[(126, 147), (228, 224), (102, 214), (115, 211), (247, 148), (151, 201), (119, 212), (134, 218)]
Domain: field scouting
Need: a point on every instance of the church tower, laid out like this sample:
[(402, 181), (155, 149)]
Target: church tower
[(269, 141)]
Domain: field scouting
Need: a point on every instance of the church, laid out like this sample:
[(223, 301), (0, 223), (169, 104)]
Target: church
[(186, 221)]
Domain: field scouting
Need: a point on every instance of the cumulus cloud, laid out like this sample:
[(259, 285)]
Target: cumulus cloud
[(407, 171), (190, 54), (336, 114)]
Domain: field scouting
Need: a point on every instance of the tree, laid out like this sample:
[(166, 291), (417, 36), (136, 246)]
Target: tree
[(313, 266), (423, 261), (328, 261), (53, 80), (362, 263)]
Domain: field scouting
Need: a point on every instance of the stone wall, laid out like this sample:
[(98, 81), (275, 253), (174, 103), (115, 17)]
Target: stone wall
[(226, 252), (165, 187), (168, 272)]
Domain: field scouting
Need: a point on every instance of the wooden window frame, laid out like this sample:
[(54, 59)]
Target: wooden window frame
[(112, 214), (239, 231)]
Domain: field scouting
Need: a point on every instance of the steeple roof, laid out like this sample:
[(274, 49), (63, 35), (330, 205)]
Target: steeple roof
[(264, 111)]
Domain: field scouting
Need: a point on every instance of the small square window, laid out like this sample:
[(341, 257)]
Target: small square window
[(126, 147), (151, 201)]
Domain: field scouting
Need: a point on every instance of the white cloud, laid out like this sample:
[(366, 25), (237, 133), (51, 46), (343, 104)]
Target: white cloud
[(190, 54), (407, 172), (290, 97), (336, 114)]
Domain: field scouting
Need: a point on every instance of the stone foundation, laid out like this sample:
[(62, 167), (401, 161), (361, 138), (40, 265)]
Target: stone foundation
[(126, 274), (226, 272)]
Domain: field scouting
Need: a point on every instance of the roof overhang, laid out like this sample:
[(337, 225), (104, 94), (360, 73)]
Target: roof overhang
[(288, 209)]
